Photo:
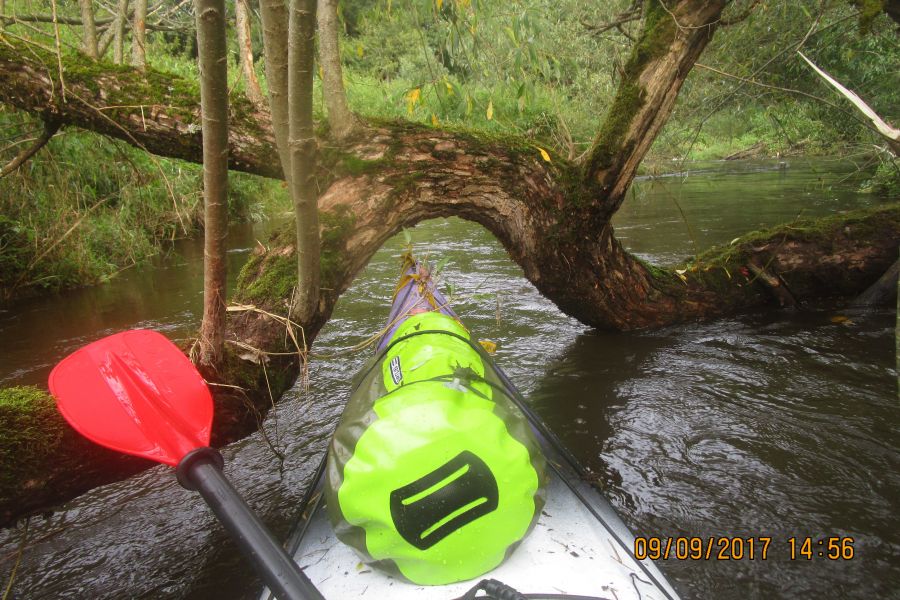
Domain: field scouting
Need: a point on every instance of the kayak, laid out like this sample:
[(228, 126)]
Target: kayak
[(503, 508)]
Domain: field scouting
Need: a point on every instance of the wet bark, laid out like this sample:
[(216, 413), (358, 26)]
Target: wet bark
[(210, 15), (882, 292)]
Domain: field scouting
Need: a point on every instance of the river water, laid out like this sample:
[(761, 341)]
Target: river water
[(777, 424)]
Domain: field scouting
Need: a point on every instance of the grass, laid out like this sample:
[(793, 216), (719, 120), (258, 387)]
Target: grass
[(31, 427), (87, 207)]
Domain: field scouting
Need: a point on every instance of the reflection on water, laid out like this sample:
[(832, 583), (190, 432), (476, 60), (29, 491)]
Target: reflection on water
[(778, 424)]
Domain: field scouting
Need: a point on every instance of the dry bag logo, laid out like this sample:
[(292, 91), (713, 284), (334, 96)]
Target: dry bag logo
[(450, 497), (396, 373)]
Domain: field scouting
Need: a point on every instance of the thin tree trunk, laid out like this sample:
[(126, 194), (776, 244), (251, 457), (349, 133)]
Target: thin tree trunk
[(88, 29), (119, 32), (139, 35), (245, 49), (340, 118), (274, 17), (302, 144), (210, 15)]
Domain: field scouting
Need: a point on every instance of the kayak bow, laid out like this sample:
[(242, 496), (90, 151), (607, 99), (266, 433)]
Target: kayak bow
[(572, 544)]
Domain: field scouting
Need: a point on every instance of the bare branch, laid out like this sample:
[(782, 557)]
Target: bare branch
[(889, 132), (780, 89), (50, 129), (740, 16), (629, 16)]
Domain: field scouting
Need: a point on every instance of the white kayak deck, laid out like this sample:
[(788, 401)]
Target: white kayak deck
[(568, 552)]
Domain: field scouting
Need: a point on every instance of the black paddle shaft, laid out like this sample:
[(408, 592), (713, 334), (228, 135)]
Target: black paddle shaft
[(201, 470)]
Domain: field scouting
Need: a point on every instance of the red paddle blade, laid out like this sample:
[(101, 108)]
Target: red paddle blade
[(137, 393)]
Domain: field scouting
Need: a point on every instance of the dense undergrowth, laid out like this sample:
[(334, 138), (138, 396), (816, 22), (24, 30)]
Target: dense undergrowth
[(87, 207)]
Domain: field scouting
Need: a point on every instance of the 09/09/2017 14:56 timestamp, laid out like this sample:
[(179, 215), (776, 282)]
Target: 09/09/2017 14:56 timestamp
[(743, 548)]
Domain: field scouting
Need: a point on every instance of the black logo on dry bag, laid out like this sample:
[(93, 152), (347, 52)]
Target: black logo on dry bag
[(453, 495), (396, 373)]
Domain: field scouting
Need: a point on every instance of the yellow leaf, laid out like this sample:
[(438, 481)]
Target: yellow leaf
[(434, 120), (359, 50), (449, 87), (440, 4), (321, 73), (490, 110), (840, 319), (489, 346), (544, 154), (680, 273), (411, 98)]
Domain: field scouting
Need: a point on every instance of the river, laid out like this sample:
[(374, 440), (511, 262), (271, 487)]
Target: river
[(778, 423)]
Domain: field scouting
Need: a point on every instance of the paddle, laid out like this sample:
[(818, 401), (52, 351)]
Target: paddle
[(137, 393)]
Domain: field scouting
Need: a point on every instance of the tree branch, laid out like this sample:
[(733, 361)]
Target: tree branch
[(887, 131), (50, 129), (670, 41)]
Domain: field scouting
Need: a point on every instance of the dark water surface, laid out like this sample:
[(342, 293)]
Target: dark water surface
[(777, 424)]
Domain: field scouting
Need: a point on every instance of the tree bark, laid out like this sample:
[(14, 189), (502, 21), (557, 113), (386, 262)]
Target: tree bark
[(88, 29), (881, 293), (210, 15), (274, 16), (139, 35), (302, 144), (245, 50), (340, 119), (119, 32), (672, 37)]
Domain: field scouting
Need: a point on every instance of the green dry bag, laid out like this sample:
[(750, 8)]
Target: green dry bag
[(433, 473)]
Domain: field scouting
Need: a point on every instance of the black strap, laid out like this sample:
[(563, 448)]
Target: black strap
[(496, 590)]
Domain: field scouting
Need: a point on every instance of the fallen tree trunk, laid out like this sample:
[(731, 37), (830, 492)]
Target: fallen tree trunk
[(883, 291)]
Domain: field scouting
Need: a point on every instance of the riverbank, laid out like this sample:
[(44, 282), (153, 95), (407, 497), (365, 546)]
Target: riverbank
[(86, 208)]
